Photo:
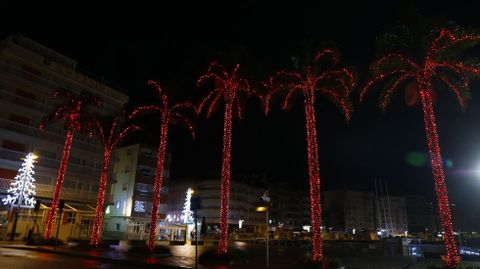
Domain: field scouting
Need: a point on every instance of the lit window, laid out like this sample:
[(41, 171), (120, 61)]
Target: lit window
[(139, 206), (71, 217)]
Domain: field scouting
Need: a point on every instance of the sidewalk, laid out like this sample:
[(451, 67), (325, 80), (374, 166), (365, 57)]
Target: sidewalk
[(108, 256)]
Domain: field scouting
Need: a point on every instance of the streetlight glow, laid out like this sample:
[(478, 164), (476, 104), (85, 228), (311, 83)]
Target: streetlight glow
[(261, 208)]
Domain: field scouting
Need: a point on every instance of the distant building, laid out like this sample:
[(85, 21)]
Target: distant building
[(361, 213), (30, 73), (244, 198), (346, 210), (393, 215), (290, 207), (131, 191), (419, 214)]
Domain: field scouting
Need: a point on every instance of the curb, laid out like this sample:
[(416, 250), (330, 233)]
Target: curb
[(98, 258)]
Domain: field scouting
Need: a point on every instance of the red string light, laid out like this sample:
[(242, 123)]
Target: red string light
[(168, 115), (230, 88), (73, 113), (334, 83), (110, 142), (399, 69)]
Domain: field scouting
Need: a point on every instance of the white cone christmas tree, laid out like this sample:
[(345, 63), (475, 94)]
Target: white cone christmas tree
[(187, 214), (22, 190)]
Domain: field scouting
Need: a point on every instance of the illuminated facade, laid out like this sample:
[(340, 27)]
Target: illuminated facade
[(244, 197), (30, 73), (131, 192)]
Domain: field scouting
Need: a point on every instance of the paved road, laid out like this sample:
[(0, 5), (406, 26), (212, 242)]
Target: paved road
[(26, 259)]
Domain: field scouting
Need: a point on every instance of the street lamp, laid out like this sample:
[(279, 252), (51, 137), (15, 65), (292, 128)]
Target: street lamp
[(264, 208)]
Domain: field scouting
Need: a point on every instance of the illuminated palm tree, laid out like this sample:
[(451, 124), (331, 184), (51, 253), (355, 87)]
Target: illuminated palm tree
[(169, 114), (320, 75), (76, 118), (232, 89), (420, 72), (111, 134)]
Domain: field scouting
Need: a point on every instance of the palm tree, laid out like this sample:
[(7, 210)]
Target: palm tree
[(111, 135), (420, 72), (233, 90), (323, 75), (76, 118), (169, 114)]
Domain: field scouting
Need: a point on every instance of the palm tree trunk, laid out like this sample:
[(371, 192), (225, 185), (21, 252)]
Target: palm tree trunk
[(60, 177), (314, 176), (157, 189), (97, 226), (439, 176), (225, 182)]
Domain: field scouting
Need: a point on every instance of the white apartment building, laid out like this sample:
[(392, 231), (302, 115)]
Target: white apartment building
[(29, 74), (131, 192), (244, 199)]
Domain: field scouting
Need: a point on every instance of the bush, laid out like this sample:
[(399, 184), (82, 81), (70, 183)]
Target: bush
[(212, 257)]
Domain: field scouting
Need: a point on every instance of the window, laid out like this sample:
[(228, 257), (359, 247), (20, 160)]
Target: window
[(74, 160), (139, 206), (85, 187), (129, 152), (145, 170), (141, 187), (19, 119), (69, 184), (42, 179), (31, 73), (13, 145), (25, 94), (71, 217), (117, 226), (125, 186), (126, 169), (95, 188), (47, 154)]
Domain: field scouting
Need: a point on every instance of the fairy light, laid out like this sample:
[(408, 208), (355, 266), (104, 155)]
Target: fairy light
[(111, 140), (22, 190), (76, 118), (335, 83), (168, 115), (230, 88), (187, 214), (456, 76)]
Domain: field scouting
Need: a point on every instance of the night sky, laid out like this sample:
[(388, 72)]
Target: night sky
[(128, 45)]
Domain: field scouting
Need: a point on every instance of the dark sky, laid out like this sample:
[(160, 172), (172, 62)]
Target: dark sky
[(128, 44)]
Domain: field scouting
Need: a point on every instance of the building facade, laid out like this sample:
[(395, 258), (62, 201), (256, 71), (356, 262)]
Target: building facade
[(131, 192), (290, 209), (30, 73), (421, 219), (349, 210), (243, 219), (392, 216)]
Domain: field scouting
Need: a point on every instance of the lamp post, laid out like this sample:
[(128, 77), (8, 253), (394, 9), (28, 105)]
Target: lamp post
[(264, 208)]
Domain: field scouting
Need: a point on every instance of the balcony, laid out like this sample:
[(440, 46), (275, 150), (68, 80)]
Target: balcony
[(46, 191), (45, 135), (12, 155)]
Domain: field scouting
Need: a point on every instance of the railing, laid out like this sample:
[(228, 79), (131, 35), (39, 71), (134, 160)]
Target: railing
[(9, 97), (45, 190), (47, 162), (46, 81), (44, 134)]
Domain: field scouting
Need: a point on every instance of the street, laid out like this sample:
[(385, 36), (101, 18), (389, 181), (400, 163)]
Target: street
[(26, 259)]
